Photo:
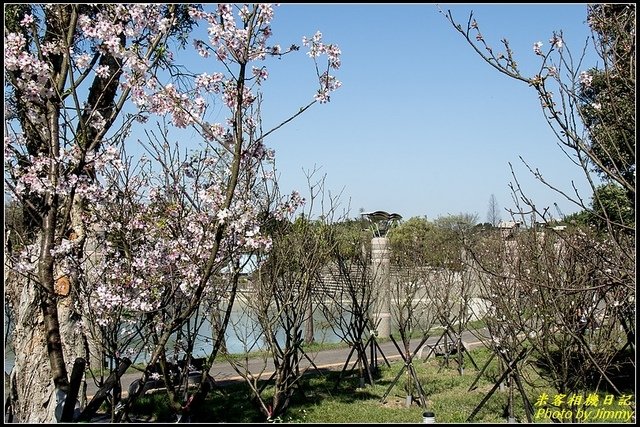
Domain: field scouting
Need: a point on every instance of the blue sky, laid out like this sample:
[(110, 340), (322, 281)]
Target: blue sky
[(421, 125)]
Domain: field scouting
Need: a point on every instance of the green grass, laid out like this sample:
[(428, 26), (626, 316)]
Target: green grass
[(319, 401)]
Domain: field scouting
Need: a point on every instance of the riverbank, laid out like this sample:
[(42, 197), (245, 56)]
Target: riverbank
[(333, 359)]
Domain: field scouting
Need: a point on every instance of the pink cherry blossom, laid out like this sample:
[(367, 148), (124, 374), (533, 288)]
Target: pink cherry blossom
[(27, 20), (537, 48)]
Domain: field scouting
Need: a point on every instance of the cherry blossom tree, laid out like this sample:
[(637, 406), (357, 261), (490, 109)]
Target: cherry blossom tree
[(591, 111), (81, 79), (63, 70), (568, 292)]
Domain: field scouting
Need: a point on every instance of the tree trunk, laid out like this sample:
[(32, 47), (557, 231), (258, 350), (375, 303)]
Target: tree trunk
[(32, 390)]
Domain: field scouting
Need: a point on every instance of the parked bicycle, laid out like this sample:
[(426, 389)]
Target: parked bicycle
[(177, 373)]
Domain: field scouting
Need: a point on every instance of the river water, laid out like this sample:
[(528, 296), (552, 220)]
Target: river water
[(242, 335)]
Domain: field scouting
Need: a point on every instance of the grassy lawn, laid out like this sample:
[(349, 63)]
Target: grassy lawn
[(319, 401)]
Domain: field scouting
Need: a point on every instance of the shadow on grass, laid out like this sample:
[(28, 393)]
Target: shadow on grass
[(326, 394), (620, 370), (233, 402)]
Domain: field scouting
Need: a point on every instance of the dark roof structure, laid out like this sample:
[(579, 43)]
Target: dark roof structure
[(381, 221)]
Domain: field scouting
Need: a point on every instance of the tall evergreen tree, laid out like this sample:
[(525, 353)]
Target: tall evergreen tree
[(607, 108)]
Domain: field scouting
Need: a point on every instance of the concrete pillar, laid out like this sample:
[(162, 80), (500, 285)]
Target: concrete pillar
[(380, 260)]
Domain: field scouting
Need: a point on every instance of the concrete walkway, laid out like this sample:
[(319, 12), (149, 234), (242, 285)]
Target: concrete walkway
[(222, 371)]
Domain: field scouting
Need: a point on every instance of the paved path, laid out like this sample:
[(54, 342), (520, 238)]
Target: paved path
[(334, 359)]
